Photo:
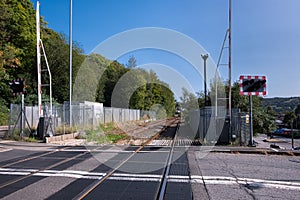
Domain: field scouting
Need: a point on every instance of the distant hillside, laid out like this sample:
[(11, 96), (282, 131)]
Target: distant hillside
[(281, 105)]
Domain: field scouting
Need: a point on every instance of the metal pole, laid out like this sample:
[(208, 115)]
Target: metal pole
[(50, 76), (292, 133), (70, 40), (204, 57), (205, 86), (38, 56), (229, 67), (22, 118), (216, 73), (251, 122)]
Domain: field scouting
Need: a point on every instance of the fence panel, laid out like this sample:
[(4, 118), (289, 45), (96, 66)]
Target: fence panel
[(85, 116), (212, 124)]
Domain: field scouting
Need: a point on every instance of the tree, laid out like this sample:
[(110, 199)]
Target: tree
[(297, 110), (57, 51), (263, 119), (289, 118), (131, 62), (189, 102), (153, 94), (217, 86), (112, 74), (17, 47), (94, 77)]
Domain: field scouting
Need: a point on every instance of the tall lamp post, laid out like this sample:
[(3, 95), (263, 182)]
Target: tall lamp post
[(204, 57)]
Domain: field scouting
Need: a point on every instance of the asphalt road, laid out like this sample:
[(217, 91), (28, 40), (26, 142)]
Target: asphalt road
[(36, 171), (68, 172), (244, 176)]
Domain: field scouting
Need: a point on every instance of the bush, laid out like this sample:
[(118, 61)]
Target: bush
[(4, 115)]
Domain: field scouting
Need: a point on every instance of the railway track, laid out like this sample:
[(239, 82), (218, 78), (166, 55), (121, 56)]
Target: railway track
[(163, 156), (167, 132)]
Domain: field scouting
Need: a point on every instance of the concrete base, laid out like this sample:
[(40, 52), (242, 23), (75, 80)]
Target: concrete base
[(61, 137)]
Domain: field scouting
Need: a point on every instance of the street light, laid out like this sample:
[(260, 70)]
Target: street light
[(204, 57)]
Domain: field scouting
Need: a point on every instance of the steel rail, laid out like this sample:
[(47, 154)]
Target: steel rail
[(163, 185), (93, 185), (96, 183)]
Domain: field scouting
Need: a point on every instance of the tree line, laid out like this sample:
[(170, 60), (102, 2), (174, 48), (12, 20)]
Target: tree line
[(18, 60)]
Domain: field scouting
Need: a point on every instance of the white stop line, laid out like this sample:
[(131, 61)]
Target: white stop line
[(250, 182), (196, 179)]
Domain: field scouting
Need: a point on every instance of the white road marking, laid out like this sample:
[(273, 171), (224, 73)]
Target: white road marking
[(135, 179), (138, 175), (15, 173), (213, 180), (18, 170), (97, 150), (75, 172), (246, 181), (2, 149)]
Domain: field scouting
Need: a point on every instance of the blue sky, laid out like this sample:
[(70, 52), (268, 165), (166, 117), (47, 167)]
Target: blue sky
[(265, 33)]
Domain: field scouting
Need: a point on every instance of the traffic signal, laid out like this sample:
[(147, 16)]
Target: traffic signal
[(17, 86), (253, 85)]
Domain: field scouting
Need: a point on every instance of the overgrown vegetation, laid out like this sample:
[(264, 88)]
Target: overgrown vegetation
[(107, 133)]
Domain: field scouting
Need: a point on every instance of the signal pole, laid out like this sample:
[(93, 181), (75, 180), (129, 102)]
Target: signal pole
[(229, 68)]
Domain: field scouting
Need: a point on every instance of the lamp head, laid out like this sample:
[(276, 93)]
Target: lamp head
[(204, 56)]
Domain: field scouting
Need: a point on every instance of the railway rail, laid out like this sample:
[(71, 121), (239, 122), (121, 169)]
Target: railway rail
[(163, 179), (168, 133)]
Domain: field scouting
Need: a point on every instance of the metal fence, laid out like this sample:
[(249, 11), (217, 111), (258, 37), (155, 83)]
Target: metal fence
[(211, 125), (85, 116)]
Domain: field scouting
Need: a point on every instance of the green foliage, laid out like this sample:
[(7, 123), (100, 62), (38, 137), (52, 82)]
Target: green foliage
[(157, 94), (4, 113), (116, 137), (282, 105), (105, 134), (263, 121), (289, 117), (31, 139), (131, 62), (17, 46), (108, 127), (57, 50), (216, 86), (90, 79), (297, 109), (189, 102), (112, 75)]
